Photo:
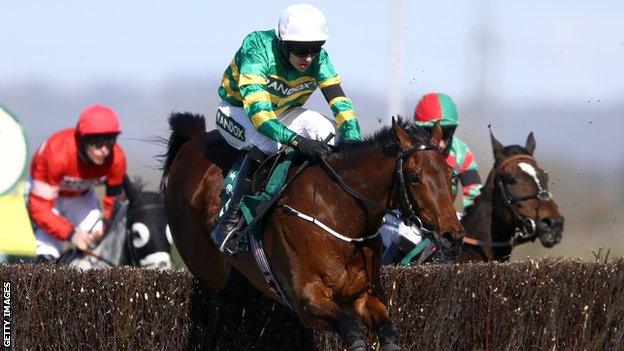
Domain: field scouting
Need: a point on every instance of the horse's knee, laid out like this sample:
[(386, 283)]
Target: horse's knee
[(319, 308), (374, 313)]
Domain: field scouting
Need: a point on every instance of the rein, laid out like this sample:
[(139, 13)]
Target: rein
[(408, 215)]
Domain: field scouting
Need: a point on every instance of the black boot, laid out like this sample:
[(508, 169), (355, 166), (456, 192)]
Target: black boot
[(226, 235)]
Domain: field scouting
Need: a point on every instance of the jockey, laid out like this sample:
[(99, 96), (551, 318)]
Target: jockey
[(431, 108), (61, 202), (262, 90), (439, 107)]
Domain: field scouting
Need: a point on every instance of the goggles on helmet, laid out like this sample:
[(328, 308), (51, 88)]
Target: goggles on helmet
[(447, 131), (304, 48), (97, 141)]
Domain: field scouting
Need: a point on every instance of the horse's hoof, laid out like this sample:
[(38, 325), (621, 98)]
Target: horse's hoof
[(358, 345), (390, 347)]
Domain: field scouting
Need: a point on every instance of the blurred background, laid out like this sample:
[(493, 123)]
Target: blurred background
[(554, 68)]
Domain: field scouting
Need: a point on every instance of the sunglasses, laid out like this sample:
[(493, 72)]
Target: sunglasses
[(99, 141), (447, 132), (305, 49)]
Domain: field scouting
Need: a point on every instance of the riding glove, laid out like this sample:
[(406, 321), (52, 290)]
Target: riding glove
[(310, 148)]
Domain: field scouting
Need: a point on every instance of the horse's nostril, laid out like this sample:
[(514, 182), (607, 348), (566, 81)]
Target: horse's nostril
[(552, 222), (451, 239), (549, 221)]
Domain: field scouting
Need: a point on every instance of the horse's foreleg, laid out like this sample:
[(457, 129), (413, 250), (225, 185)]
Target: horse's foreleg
[(319, 308), (374, 313)]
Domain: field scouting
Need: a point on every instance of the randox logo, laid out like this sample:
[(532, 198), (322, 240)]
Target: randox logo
[(277, 87), (230, 126)]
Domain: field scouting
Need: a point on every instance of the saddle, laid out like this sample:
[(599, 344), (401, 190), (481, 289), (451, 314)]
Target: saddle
[(267, 183)]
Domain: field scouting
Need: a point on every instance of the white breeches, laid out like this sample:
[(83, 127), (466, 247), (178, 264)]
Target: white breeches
[(239, 132), (82, 211)]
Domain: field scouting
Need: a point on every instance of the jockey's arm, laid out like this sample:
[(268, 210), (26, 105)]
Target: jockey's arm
[(469, 179), (40, 211), (341, 106), (42, 196)]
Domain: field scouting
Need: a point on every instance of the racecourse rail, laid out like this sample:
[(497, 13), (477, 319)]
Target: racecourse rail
[(544, 304)]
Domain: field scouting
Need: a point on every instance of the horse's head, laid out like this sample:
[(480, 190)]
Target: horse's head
[(424, 181), (523, 187), (149, 237)]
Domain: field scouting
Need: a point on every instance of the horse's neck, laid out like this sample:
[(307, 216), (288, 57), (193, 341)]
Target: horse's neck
[(372, 176), (503, 229), (478, 221)]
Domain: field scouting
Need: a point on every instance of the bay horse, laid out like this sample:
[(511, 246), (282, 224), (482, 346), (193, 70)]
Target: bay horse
[(514, 207), (138, 235), (330, 283)]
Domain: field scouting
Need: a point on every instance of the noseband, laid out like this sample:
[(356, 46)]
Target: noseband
[(525, 226)]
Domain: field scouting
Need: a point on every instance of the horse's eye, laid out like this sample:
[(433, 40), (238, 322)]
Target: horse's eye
[(508, 179), (413, 178)]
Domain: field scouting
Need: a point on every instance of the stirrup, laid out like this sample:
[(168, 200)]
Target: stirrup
[(228, 249), (233, 237)]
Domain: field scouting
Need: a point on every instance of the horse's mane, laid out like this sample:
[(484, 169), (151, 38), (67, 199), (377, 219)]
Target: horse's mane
[(183, 126), (383, 138)]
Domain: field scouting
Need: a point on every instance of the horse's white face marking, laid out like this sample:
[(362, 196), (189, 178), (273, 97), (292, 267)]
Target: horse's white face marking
[(143, 234), (530, 170)]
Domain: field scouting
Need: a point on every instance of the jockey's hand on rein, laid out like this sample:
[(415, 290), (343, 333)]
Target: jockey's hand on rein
[(312, 149), (82, 240)]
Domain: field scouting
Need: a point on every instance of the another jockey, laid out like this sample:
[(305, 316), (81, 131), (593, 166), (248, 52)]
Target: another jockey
[(61, 202), (431, 108), (271, 76)]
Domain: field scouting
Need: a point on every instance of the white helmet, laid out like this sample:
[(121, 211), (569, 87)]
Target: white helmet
[(302, 22)]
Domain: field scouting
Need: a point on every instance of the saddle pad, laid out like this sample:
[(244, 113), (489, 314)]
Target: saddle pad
[(276, 180)]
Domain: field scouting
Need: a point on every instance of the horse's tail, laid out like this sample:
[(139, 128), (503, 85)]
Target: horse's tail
[(183, 126)]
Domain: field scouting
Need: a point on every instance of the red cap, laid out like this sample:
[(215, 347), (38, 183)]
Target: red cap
[(98, 119), (428, 108)]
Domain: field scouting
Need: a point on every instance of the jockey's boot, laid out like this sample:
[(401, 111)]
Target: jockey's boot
[(226, 235)]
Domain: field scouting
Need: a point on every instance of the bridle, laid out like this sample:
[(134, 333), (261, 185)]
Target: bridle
[(525, 227), (406, 209)]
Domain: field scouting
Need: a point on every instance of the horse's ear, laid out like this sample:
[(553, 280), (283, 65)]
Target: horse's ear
[(402, 137), (497, 147), (530, 144), (129, 189), (436, 134)]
